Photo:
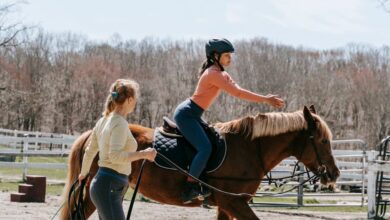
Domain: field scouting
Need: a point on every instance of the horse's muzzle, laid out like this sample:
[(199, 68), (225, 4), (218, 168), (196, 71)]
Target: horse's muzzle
[(328, 176)]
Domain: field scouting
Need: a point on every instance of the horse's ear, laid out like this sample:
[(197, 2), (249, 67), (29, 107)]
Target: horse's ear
[(309, 118), (312, 109)]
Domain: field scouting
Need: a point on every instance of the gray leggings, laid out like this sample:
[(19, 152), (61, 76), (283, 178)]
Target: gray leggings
[(107, 190)]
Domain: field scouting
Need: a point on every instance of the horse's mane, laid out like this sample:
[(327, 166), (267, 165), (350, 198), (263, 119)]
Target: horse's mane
[(270, 124)]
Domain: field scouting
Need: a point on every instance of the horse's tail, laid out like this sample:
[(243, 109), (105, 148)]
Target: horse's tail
[(74, 169)]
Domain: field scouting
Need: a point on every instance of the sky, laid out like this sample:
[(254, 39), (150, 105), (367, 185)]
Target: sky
[(315, 24)]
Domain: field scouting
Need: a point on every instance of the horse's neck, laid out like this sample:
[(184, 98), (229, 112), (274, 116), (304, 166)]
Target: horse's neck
[(273, 150)]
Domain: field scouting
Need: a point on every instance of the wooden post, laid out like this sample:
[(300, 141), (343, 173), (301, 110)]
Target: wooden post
[(25, 160), (300, 188), (364, 167), (371, 185)]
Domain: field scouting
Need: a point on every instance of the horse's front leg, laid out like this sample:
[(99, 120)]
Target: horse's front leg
[(222, 215), (237, 208)]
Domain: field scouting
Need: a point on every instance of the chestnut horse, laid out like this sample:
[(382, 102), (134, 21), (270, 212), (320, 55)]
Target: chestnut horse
[(255, 144)]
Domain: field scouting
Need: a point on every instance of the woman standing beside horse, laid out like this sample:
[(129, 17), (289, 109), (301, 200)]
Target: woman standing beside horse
[(117, 147), (188, 114)]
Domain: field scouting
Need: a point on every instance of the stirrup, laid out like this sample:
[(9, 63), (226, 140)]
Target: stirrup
[(205, 191), (191, 192)]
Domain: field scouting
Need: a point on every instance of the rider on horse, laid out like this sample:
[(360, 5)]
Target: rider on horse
[(213, 78)]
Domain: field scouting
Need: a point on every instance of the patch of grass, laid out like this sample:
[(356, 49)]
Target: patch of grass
[(2, 147), (9, 187), (311, 201), (287, 200), (50, 189), (44, 159), (335, 209), (48, 160), (275, 199), (58, 174)]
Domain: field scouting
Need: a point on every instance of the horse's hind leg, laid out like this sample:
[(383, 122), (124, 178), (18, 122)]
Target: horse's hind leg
[(222, 215), (239, 209)]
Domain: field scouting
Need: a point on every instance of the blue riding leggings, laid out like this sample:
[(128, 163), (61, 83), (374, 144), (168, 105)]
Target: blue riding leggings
[(107, 190), (188, 119)]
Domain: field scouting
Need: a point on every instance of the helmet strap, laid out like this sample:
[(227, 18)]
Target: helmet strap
[(217, 61)]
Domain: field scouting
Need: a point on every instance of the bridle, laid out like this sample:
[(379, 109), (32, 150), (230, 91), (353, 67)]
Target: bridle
[(321, 168)]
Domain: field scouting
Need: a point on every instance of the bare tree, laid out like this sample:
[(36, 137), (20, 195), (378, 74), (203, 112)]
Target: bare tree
[(9, 30), (385, 4), (59, 83)]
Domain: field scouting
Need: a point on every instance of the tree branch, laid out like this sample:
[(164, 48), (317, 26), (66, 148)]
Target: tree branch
[(385, 4), (9, 32)]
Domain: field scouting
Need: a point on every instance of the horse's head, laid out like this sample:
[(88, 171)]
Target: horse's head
[(316, 151)]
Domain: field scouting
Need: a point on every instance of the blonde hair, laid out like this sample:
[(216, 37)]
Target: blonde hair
[(271, 124), (120, 91)]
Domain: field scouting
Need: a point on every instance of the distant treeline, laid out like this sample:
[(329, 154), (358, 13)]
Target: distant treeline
[(58, 83)]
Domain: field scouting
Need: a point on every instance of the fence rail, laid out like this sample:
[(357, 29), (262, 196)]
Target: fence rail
[(353, 173), (34, 165), (27, 144)]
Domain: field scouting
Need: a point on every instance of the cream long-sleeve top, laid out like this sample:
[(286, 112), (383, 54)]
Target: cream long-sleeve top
[(112, 138)]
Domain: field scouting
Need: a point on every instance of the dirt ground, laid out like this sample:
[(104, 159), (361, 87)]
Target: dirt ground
[(153, 211)]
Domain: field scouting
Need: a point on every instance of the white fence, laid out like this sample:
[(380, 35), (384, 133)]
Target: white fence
[(354, 173), (373, 168), (27, 144), (352, 165)]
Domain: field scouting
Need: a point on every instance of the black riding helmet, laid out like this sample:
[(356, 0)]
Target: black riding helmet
[(218, 46)]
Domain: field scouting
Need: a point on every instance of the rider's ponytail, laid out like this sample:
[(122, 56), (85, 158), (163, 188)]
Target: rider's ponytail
[(209, 62)]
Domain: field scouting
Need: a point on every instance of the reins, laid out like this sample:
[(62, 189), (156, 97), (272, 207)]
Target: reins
[(79, 206), (135, 191), (222, 191)]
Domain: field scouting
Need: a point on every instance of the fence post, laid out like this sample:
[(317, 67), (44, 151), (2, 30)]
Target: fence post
[(300, 188), (51, 144), (371, 185), (363, 175), (62, 144), (25, 161), (36, 143)]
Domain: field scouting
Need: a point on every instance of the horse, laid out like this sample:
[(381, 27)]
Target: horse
[(255, 144)]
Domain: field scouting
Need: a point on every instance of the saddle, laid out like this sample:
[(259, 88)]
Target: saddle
[(169, 128), (169, 141)]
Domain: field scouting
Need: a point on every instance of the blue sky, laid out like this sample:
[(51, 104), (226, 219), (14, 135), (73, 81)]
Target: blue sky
[(315, 24)]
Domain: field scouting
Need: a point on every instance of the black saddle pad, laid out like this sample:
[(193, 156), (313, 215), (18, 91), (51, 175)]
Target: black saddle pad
[(180, 151)]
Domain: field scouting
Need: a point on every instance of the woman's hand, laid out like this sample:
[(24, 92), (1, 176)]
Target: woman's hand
[(81, 178), (274, 100), (149, 154)]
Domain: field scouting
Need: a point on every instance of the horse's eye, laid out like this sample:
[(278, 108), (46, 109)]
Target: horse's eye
[(324, 141)]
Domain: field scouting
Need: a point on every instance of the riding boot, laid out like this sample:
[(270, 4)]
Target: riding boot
[(204, 190), (191, 192)]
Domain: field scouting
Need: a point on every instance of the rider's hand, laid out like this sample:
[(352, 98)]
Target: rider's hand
[(274, 100), (150, 154)]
